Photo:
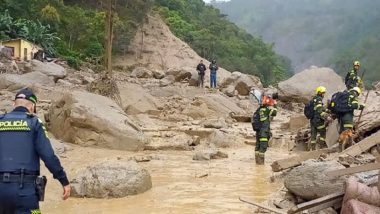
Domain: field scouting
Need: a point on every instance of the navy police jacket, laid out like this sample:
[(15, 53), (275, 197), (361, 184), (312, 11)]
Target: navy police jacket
[(23, 142)]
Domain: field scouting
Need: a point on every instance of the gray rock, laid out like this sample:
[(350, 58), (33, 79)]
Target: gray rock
[(49, 68), (141, 72), (301, 87), (157, 74), (220, 139), (209, 155), (111, 179), (93, 120), (309, 180), (14, 81), (215, 123), (242, 83)]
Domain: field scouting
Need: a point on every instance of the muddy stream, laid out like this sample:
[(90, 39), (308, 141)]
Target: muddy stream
[(180, 185)]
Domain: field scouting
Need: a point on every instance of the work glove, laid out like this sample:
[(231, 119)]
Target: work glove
[(361, 106)]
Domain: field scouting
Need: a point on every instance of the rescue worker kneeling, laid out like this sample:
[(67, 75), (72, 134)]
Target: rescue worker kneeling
[(23, 142), (267, 110), (319, 120)]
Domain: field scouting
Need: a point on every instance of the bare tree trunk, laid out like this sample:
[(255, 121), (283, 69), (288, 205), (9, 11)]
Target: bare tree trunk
[(106, 85), (109, 34)]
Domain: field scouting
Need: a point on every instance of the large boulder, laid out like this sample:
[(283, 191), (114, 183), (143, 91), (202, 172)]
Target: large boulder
[(182, 74), (136, 100), (49, 68), (301, 87), (370, 120), (111, 179), (93, 120), (212, 106), (14, 81), (309, 180), (242, 83), (141, 72)]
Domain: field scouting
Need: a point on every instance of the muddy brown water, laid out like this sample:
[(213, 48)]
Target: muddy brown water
[(180, 185)]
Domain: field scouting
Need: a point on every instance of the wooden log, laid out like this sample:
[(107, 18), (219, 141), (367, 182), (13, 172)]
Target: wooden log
[(319, 203), (352, 170), (275, 210), (287, 163)]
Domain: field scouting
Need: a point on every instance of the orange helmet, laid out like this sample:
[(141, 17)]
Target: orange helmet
[(267, 101)]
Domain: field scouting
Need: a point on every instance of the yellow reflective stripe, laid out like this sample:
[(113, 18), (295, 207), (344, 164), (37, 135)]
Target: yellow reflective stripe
[(321, 127), (354, 101), (43, 127), (263, 119), (261, 154), (348, 125), (264, 139), (317, 106), (323, 113), (15, 129), (313, 142), (37, 211), (321, 138)]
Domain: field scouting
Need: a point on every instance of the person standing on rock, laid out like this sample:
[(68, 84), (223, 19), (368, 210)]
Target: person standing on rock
[(201, 68), (318, 120), (352, 78), (266, 111), (213, 68), (23, 142)]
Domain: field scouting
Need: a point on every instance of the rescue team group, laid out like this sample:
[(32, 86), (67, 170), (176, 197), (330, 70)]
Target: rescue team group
[(341, 106), (24, 141)]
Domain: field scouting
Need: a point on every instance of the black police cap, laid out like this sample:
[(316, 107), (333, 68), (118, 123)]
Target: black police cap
[(27, 94)]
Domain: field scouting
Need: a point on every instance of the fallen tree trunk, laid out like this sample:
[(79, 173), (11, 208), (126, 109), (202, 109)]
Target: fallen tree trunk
[(319, 203), (352, 170), (287, 163)]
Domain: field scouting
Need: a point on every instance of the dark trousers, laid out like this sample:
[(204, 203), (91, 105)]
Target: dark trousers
[(318, 128), (346, 121), (262, 138), (213, 79), (201, 78), (16, 200)]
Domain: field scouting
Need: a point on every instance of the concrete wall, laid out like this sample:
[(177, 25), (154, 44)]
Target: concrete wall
[(23, 50)]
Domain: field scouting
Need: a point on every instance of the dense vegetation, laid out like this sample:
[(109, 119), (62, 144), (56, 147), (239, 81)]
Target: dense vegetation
[(70, 29), (322, 32), (212, 36), (74, 30)]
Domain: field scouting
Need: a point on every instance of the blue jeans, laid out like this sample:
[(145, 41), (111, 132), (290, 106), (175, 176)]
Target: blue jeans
[(213, 79), (14, 199)]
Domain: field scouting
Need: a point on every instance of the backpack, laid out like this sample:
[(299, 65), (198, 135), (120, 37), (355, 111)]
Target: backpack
[(256, 123), (308, 111), (339, 103)]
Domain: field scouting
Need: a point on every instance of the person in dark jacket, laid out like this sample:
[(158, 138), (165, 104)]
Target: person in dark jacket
[(213, 69), (263, 134), (23, 142), (201, 68), (318, 121), (352, 78)]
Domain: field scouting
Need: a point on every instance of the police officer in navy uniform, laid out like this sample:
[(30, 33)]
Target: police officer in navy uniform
[(23, 142)]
